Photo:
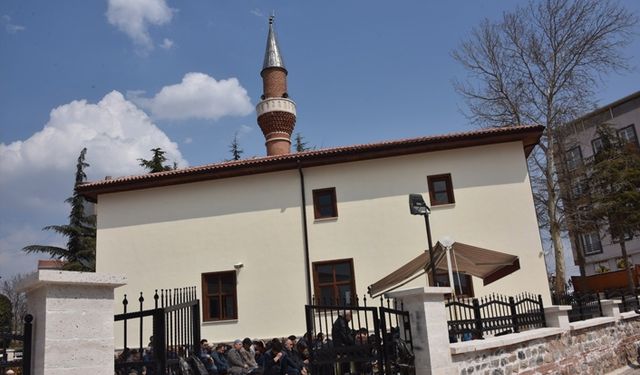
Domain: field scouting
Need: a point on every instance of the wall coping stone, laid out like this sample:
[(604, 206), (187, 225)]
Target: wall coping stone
[(610, 301), (592, 322), (506, 340), (555, 308), (628, 315), (41, 278)]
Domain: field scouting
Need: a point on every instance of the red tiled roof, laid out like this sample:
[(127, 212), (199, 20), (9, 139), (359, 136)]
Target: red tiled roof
[(529, 135)]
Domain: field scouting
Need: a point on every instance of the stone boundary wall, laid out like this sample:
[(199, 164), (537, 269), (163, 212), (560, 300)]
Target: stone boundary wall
[(586, 350)]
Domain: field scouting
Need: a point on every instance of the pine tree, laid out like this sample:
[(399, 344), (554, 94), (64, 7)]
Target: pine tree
[(79, 255), (615, 190), (301, 145), (234, 148), (156, 164)]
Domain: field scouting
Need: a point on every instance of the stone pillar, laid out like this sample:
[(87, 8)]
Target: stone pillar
[(557, 316), (610, 307), (428, 328), (73, 321)]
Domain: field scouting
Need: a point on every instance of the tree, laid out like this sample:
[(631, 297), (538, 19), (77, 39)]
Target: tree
[(79, 255), (234, 148), (17, 301), (156, 164), (301, 144), (541, 64), (614, 179)]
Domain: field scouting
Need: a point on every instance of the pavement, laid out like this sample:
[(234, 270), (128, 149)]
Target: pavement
[(627, 370)]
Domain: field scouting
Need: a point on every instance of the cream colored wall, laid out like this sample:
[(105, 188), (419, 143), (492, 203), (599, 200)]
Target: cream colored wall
[(166, 237), (493, 209)]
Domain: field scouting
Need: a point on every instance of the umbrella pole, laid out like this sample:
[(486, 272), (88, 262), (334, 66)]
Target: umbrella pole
[(451, 283)]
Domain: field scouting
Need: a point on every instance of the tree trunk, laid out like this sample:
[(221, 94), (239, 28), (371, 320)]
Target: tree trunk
[(554, 224), (623, 249)]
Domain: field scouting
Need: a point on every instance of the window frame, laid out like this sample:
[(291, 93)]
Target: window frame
[(316, 281), (595, 141), (206, 314), (633, 141), (317, 193), (572, 164), (431, 180), (584, 247)]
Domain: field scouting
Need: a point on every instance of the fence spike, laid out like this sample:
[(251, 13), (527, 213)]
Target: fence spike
[(141, 300), (155, 299), (364, 300)]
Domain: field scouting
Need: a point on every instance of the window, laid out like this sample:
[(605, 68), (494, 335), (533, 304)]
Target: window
[(324, 203), (219, 296), (628, 135), (440, 189), (464, 286), (597, 145), (579, 187), (334, 281), (590, 243), (574, 158)]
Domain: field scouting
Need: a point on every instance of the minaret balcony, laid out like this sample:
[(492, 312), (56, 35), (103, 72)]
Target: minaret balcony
[(276, 105)]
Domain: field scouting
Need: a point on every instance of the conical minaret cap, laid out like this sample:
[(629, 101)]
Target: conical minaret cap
[(272, 57)]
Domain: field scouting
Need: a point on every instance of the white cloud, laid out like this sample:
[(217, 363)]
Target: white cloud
[(198, 96), (37, 173), (10, 27), (166, 44), (133, 17), (257, 12)]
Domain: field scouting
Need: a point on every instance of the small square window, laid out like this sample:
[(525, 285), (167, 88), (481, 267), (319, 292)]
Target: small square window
[(597, 145), (440, 189), (219, 296), (324, 203), (574, 158), (628, 135), (591, 243)]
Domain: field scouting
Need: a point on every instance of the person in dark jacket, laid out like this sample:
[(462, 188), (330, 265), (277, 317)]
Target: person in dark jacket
[(340, 331), (341, 335), (220, 359), (273, 359)]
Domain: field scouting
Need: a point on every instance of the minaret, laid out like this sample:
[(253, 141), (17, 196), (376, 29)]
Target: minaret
[(276, 112)]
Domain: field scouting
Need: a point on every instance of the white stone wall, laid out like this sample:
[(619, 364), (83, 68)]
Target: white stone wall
[(73, 321)]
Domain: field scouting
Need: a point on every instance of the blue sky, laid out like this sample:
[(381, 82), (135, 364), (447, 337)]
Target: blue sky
[(123, 76)]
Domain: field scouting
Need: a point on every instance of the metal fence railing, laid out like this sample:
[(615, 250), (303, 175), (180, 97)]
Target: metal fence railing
[(583, 305), (474, 318), (629, 300)]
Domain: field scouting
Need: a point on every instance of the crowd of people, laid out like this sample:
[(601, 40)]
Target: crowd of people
[(285, 356), (279, 356)]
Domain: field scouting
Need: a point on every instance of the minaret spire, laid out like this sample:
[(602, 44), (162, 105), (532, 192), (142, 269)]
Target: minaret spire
[(276, 112)]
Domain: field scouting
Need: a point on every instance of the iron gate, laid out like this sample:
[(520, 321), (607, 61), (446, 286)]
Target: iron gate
[(17, 357), (175, 324), (380, 338)]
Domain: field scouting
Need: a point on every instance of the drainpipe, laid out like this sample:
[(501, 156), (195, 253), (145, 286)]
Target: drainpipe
[(305, 233)]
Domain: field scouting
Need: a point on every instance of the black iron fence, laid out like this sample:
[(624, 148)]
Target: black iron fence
[(175, 325), (357, 338), (583, 305), (15, 349), (495, 314), (628, 299)]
